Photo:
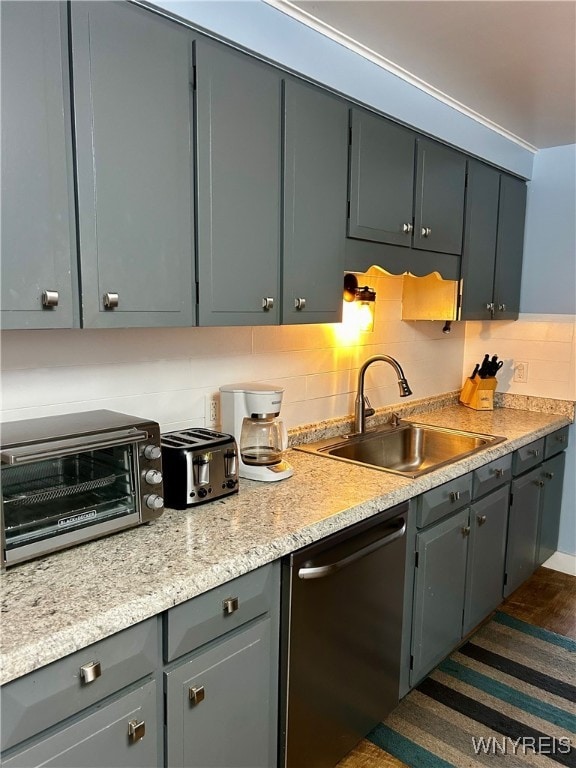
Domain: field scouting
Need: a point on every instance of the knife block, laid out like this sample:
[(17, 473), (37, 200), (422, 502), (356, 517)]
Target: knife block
[(478, 393)]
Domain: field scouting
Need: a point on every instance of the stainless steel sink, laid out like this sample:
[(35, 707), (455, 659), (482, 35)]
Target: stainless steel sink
[(409, 449)]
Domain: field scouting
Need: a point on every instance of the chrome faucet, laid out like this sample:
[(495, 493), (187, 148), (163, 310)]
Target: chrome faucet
[(362, 407)]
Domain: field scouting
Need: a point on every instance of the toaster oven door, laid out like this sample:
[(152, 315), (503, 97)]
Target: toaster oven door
[(53, 501)]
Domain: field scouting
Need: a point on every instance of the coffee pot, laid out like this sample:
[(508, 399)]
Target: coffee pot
[(250, 412)]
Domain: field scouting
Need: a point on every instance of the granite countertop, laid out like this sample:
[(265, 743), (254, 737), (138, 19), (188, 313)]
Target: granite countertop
[(61, 603)]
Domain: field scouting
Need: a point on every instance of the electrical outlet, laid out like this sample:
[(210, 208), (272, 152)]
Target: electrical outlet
[(521, 373), (211, 411)]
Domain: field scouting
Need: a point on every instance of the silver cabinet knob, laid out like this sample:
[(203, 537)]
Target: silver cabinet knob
[(50, 299), (548, 475), (426, 231), (502, 307), (454, 495), (481, 519), (407, 229), (267, 303), (466, 530), (154, 501), (111, 300), (153, 477), (534, 452), (230, 605), (490, 306), (300, 304), (539, 483), (196, 694), (499, 472), (90, 672), (136, 730)]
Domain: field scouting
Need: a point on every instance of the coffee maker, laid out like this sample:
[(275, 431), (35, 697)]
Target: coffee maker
[(250, 412)]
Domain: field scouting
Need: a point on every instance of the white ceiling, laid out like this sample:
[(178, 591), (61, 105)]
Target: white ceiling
[(513, 62)]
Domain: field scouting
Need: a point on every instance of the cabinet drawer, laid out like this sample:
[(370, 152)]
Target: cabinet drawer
[(527, 457), (556, 442), (491, 476), (101, 738), (50, 694), (191, 624), (443, 500)]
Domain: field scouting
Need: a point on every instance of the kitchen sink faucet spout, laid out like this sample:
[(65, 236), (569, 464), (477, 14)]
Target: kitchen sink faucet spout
[(360, 410)]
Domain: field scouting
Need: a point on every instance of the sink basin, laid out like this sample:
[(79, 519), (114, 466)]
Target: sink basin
[(409, 449)]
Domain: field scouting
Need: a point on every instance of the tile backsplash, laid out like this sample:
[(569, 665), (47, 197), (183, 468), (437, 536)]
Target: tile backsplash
[(167, 374)]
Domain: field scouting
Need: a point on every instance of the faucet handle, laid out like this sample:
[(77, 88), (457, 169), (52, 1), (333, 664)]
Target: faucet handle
[(368, 410)]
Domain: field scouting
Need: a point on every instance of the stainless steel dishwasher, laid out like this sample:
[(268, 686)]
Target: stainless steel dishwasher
[(341, 633)]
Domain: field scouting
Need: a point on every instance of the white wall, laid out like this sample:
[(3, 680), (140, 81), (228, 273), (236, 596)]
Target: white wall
[(165, 374)]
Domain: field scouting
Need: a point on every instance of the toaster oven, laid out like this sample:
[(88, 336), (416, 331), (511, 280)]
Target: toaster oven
[(68, 479)]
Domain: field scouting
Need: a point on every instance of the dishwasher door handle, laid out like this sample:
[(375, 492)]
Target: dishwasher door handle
[(319, 572)]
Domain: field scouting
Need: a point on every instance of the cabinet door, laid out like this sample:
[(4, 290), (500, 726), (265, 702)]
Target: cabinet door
[(509, 248), (479, 251), (315, 196), (438, 592), (381, 180), (238, 184), (486, 556), (133, 137), (553, 479), (439, 198), (38, 239), (221, 705), (102, 738), (522, 530)]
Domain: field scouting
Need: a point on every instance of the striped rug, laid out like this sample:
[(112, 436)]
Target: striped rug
[(505, 698)]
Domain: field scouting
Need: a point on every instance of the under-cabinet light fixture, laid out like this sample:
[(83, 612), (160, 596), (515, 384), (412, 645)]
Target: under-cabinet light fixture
[(359, 304)]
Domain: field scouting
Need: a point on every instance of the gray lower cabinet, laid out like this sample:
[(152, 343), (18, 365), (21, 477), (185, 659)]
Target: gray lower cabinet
[(38, 267), (238, 140), (218, 704), (122, 734), (315, 195), (459, 561), (98, 706), (133, 134), (493, 244), (523, 526)]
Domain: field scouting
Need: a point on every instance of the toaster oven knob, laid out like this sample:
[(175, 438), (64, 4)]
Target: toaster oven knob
[(153, 477), (152, 451), (153, 501)]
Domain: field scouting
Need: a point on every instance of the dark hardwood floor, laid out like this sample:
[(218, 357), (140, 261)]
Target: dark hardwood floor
[(547, 599)]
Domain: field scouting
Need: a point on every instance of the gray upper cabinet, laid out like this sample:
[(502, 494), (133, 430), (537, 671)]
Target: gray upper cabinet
[(132, 98), (238, 187), (315, 196), (493, 244), (439, 198), (38, 273), (381, 180)]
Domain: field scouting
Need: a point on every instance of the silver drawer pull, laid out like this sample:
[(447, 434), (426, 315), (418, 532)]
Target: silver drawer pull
[(454, 495), (534, 452), (481, 519), (50, 299), (268, 303), (136, 730), (499, 472), (111, 300), (407, 228), (426, 231), (539, 483), (196, 694), (300, 304), (561, 438), (90, 672), (230, 605), (466, 530)]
